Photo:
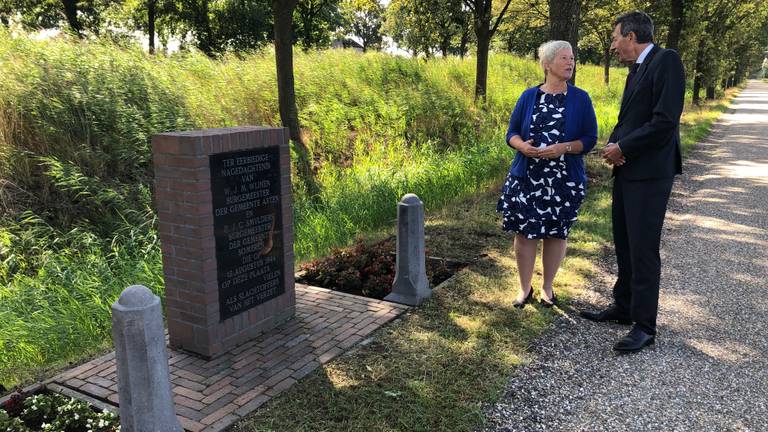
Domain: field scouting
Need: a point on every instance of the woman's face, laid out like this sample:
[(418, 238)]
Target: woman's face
[(561, 67)]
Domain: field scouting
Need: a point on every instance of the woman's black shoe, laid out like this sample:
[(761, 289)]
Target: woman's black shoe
[(527, 299), (548, 304)]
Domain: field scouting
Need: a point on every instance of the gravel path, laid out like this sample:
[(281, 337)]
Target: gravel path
[(708, 370)]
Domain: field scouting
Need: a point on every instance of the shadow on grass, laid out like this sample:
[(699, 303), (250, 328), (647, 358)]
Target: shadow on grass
[(430, 371), (434, 368)]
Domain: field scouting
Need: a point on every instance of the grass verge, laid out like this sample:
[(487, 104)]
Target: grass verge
[(434, 368), (76, 218), (75, 125)]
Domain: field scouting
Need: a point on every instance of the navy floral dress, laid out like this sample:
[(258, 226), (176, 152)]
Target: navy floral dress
[(544, 203)]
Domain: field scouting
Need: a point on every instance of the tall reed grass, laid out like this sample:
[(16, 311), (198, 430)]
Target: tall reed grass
[(76, 118)]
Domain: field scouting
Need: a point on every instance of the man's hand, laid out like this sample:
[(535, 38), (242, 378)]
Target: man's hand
[(553, 151), (613, 155), (528, 149)]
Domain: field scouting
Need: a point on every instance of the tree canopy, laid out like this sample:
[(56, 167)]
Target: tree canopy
[(429, 26), (720, 41)]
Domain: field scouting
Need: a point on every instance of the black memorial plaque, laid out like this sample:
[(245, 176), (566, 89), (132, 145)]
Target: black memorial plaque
[(247, 221)]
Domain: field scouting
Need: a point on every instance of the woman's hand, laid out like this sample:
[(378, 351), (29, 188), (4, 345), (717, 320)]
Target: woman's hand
[(552, 152), (527, 148)]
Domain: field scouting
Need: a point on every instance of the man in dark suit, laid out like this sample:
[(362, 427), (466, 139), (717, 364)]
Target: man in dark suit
[(644, 150)]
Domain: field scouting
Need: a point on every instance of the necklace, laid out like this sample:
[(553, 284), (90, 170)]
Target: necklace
[(549, 88)]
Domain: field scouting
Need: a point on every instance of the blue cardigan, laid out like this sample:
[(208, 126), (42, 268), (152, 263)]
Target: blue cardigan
[(580, 124)]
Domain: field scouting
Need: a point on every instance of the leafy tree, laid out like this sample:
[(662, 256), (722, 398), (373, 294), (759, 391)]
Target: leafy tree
[(408, 27), (241, 25), (147, 16), (199, 16), (677, 17), (364, 19), (485, 27), (283, 11), (151, 20), (596, 31), (213, 27), (714, 29), (528, 30), (80, 16), (427, 26), (746, 46), (596, 28), (315, 21), (31, 13), (465, 36)]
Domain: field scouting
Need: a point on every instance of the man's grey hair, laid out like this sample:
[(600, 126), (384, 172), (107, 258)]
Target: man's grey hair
[(548, 50), (637, 22)]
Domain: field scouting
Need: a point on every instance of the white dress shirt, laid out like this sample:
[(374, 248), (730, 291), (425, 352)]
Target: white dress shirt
[(644, 54)]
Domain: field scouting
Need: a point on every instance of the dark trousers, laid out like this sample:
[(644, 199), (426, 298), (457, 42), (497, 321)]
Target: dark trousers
[(638, 214)]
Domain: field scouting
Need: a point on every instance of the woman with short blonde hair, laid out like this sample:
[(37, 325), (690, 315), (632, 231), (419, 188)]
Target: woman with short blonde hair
[(548, 50), (551, 128)]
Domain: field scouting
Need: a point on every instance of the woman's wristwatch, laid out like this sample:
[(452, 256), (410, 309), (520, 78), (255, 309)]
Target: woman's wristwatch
[(568, 147)]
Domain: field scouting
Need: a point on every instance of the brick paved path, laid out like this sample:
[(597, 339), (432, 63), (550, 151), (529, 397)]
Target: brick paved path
[(211, 395)]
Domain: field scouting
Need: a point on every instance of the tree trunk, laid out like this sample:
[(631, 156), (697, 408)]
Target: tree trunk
[(289, 113), (482, 20), (481, 71), (464, 43), (70, 11), (697, 74), (710, 92), (676, 24), (696, 89), (151, 24), (466, 33), (203, 28), (482, 12), (445, 45), (308, 19), (607, 64), (740, 73), (564, 19)]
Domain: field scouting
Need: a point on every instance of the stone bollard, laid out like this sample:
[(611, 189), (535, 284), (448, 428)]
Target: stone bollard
[(410, 286), (143, 383)]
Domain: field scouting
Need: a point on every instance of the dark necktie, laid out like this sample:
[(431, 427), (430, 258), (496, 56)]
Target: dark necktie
[(630, 75)]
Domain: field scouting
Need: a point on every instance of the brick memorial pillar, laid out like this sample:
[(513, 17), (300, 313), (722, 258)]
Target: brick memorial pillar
[(223, 201)]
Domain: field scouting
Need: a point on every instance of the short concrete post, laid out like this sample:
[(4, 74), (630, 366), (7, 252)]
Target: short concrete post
[(410, 286), (143, 383)]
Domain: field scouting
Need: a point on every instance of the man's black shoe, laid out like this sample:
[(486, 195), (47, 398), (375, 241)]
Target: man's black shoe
[(634, 341), (608, 315)]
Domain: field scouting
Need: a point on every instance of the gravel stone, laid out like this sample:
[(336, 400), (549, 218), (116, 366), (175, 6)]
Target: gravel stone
[(708, 370)]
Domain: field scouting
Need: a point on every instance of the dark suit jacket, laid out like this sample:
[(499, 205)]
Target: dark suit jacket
[(648, 129)]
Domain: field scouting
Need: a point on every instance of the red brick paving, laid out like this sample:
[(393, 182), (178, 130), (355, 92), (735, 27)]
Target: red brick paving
[(211, 395)]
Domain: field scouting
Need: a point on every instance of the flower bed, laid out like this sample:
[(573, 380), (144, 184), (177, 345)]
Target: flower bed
[(368, 270), (49, 412)]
